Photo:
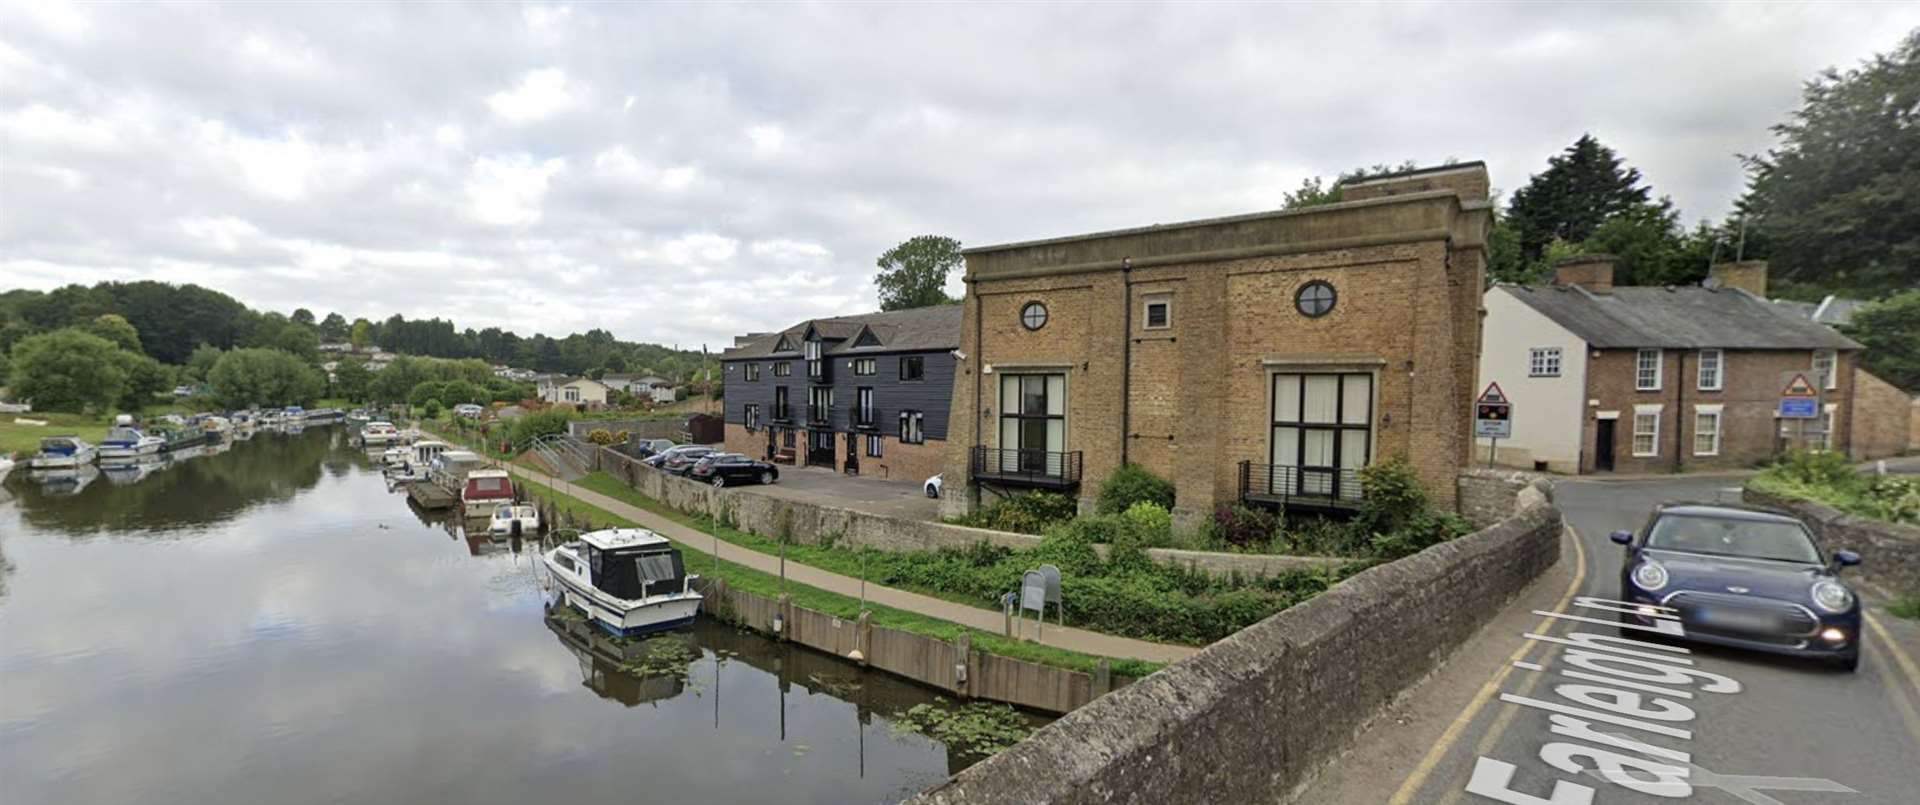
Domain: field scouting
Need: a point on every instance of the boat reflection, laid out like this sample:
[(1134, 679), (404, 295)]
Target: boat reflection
[(64, 481)]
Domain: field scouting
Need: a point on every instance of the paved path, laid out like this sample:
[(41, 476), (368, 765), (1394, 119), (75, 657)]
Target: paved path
[(983, 619)]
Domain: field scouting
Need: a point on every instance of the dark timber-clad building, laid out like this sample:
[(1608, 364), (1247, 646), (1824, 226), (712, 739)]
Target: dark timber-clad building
[(867, 394)]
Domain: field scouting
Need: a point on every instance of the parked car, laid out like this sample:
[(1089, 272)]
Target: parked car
[(660, 459), (721, 469), (468, 410), (1743, 577), (653, 447), (933, 486), (680, 460)]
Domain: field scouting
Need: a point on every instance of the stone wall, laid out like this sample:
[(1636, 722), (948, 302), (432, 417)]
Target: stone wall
[(1880, 418), (1253, 717), (1488, 496), (1890, 551), (674, 429)]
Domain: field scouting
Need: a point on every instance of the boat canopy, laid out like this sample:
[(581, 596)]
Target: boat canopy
[(638, 572), (59, 445)]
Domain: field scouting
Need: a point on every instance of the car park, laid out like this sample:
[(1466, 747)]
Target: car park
[(680, 460), (1743, 577), (721, 469)]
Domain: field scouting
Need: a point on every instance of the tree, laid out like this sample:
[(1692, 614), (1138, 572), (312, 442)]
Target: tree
[(1890, 330), (114, 327), (361, 335), (1314, 192), (1647, 246), (393, 383), (914, 273), (264, 377), (1582, 188), (1835, 207), (67, 370), (333, 329), (200, 363), (300, 342), (146, 379), (353, 380), (303, 317)]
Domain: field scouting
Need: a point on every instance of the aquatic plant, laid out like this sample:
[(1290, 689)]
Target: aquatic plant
[(978, 728)]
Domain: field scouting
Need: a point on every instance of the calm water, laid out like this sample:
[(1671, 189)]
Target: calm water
[(268, 624)]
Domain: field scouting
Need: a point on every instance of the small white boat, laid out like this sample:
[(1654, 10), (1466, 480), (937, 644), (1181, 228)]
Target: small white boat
[(485, 489), (62, 452), (379, 433), (395, 457), (641, 584), (272, 417), (293, 414), (128, 442), (450, 469), (514, 520), (217, 428)]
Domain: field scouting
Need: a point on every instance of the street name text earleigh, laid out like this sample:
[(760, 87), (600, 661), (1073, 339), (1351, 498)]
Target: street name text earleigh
[(1617, 682)]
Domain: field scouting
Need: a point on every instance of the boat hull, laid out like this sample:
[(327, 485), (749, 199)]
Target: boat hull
[(117, 451), (61, 462), (659, 615), (483, 507)]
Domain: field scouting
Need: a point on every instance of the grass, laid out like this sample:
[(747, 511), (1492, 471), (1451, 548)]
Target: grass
[(17, 438), (744, 578), (1906, 606)]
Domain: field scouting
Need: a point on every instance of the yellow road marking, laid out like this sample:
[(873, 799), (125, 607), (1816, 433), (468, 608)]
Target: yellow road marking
[(1906, 664), (1452, 734)]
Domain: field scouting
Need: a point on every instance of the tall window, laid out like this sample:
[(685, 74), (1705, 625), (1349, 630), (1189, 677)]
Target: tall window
[(750, 415), (780, 409), (864, 366), (1706, 431), (913, 427), (572, 394), (1543, 362), (1823, 376), (1826, 426), (863, 409), (1033, 423), (1710, 360), (1646, 431), (913, 367), (820, 403), (816, 367), (753, 372), (874, 444), (1646, 375), (783, 369), (1322, 433)]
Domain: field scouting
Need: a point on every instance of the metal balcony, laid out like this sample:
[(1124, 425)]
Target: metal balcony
[(1044, 469), (1300, 487)]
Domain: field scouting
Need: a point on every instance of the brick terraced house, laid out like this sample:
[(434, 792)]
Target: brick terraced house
[(1659, 379), (864, 394), (1262, 358)]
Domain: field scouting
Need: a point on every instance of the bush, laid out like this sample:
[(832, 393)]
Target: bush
[(1894, 499), (1029, 513), (532, 426), (1153, 521), (600, 436), (1825, 468), (1392, 496), (1132, 484), (430, 409), (1244, 527)]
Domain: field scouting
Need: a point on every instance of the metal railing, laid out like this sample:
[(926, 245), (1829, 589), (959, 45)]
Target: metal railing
[(819, 414), (1281, 483), (1030, 467), (568, 456)]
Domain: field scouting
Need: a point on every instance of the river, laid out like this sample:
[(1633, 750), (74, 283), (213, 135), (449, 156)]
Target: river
[(267, 623)]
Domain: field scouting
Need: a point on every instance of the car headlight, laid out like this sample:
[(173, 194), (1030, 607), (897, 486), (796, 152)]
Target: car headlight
[(1832, 596), (1650, 576)]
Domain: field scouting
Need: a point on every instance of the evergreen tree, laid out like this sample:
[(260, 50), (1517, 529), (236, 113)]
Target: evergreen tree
[(1580, 190)]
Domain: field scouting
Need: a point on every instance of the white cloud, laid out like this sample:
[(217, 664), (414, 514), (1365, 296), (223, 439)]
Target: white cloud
[(767, 138), (508, 191), (539, 95)]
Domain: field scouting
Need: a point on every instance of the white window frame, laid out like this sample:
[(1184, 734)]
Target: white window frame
[(1543, 362), (1717, 380), (1652, 412), (750, 415), (1719, 422), (1827, 417), (571, 394), (1830, 378), (865, 367), (875, 445), (1146, 308), (913, 427), (1640, 369), (752, 373)]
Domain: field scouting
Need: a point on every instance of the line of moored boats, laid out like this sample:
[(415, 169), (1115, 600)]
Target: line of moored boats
[(128, 441)]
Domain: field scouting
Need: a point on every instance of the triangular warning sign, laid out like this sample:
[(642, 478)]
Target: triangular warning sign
[(1493, 394), (1799, 387)]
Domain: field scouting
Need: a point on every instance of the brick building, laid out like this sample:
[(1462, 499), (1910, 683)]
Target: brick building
[(1262, 357), (864, 394), (1658, 379)]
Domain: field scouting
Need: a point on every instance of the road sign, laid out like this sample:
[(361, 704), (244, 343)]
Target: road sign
[(1493, 394), (1799, 387), (1799, 408), (1493, 414)]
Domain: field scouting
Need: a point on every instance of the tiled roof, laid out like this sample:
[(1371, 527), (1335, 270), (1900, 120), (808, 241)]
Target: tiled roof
[(1685, 318), (917, 329)]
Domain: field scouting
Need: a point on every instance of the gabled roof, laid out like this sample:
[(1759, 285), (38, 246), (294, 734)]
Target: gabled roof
[(922, 329), (1682, 318)]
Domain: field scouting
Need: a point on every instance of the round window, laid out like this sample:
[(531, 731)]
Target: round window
[(1315, 299), (1033, 316)]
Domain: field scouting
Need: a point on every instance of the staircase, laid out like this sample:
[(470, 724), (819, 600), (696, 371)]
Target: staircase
[(569, 458)]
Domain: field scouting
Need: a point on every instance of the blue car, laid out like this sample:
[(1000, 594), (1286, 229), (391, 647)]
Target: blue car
[(1741, 577)]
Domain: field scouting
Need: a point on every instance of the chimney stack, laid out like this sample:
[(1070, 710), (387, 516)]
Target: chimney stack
[(1747, 275), (1593, 272)]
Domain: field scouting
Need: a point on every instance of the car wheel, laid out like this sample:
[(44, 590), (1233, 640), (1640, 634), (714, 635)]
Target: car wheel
[(766, 478), (932, 492), (719, 481)]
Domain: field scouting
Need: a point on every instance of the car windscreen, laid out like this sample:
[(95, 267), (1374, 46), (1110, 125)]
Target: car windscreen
[(1721, 536)]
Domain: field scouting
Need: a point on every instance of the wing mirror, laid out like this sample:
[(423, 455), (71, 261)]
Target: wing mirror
[(1845, 558), (1622, 537)]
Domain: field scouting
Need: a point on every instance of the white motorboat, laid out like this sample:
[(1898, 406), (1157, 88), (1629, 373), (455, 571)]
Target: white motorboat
[(128, 442), (217, 428), (630, 581), (293, 414), (485, 489), (395, 457), (379, 433), (271, 417), (514, 520), (62, 452), (450, 469)]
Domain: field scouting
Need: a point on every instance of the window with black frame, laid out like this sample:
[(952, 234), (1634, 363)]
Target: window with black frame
[(913, 367), (1033, 424), (780, 410), (1322, 434), (752, 372), (912, 427), (863, 415)]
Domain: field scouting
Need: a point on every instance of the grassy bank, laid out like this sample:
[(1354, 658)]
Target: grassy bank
[(745, 578), (1828, 478)]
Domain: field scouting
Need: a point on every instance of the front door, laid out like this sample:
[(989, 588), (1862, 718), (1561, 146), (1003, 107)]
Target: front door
[(820, 448), (771, 449), (1603, 445), (852, 467)]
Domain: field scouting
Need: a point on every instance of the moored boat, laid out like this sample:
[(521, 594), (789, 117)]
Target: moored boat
[(379, 432), (514, 520), (630, 581), (62, 452), (126, 442), (217, 428), (485, 489)]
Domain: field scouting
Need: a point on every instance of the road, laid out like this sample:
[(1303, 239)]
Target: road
[(1791, 733)]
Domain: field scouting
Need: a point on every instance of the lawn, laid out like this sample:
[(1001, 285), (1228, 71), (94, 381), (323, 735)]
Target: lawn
[(744, 578), (17, 438)]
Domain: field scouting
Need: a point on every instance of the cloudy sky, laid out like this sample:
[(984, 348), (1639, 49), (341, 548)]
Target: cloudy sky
[(679, 173)]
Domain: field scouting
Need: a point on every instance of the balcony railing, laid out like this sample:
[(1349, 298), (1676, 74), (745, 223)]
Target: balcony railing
[(819, 415), (1042, 468), (1286, 485), (864, 420)]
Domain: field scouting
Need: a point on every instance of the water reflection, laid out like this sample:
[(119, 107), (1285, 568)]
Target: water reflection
[(321, 640)]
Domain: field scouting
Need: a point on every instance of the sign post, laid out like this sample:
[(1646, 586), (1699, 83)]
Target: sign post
[(1799, 401), (1493, 418)]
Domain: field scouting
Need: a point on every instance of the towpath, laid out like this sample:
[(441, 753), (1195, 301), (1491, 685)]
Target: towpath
[(1080, 640)]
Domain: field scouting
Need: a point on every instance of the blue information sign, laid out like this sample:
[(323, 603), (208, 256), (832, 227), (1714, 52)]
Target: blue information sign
[(1799, 408)]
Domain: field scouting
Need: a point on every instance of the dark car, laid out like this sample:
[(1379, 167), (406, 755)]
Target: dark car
[(648, 448), (1741, 577), (680, 460), (721, 469), (661, 458)]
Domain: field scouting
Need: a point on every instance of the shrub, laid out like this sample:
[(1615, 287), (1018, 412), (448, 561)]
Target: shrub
[(1825, 468), (1132, 484), (535, 425), (600, 436), (1319, 536), (430, 409), (1392, 496), (1029, 513), (1244, 527), (1894, 499), (1153, 521)]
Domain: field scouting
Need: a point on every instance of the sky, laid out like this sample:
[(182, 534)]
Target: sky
[(681, 173)]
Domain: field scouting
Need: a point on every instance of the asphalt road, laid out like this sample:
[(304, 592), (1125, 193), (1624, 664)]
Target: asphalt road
[(1791, 733)]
